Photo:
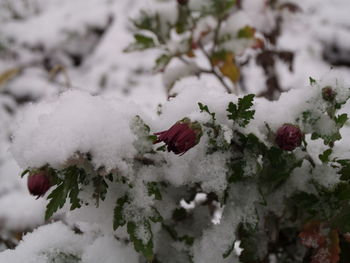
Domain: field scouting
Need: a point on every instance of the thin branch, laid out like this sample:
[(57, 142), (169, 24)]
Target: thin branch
[(213, 71), (216, 36)]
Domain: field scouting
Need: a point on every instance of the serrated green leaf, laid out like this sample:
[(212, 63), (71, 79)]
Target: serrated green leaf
[(324, 157), (73, 196), (118, 219), (58, 198), (67, 187), (341, 120), (204, 108), (145, 249), (153, 189), (72, 175), (240, 113)]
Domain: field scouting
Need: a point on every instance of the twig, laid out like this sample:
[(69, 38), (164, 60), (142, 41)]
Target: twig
[(213, 71), (216, 36)]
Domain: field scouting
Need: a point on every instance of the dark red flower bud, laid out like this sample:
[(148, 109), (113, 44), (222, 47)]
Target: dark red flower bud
[(288, 137), (181, 137), (38, 183), (182, 2), (328, 93)]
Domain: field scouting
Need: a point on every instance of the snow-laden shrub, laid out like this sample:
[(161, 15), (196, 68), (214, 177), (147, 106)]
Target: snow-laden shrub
[(234, 183), (213, 177)]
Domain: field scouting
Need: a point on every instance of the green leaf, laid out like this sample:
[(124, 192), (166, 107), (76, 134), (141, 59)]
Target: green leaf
[(145, 249), (71, 182), (277, 167), (118, 219), (312, 81), (342, 220), (179, 214), (229, 250), (252, 142), (153, 189), (68, 186), (324, 157), (220, 8), (188, 240), (157, 217), (305, 203), (309, 118), (249, 243), (246, 32), (58, 198), (345, 169), (162, 62), (342, 191), (204, 108), (142, 42), (153, 24), (236, 171), (341, 120), (25, 172), (240, 113)]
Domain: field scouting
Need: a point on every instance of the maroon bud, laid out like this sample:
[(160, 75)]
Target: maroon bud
[(38, 183), (288, 137), (328, 94), (182, 2), (181, 137)]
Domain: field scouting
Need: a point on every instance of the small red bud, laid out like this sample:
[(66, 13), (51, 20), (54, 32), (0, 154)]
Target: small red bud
[(288, 137), (38, 183), (328, 94), (181, 137)]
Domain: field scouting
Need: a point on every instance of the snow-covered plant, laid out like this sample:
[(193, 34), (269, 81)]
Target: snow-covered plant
[(232, 174), (206, 36), (211, 177)]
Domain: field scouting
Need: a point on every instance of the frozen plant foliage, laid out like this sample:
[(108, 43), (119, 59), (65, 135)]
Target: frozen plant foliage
[(238, 165), (209, 177)]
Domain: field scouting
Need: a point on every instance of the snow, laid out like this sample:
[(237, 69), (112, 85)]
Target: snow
[(59, 241), (20, 211), (54, 131)]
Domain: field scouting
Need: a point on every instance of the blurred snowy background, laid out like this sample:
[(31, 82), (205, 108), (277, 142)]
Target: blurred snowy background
[(49, 46)]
